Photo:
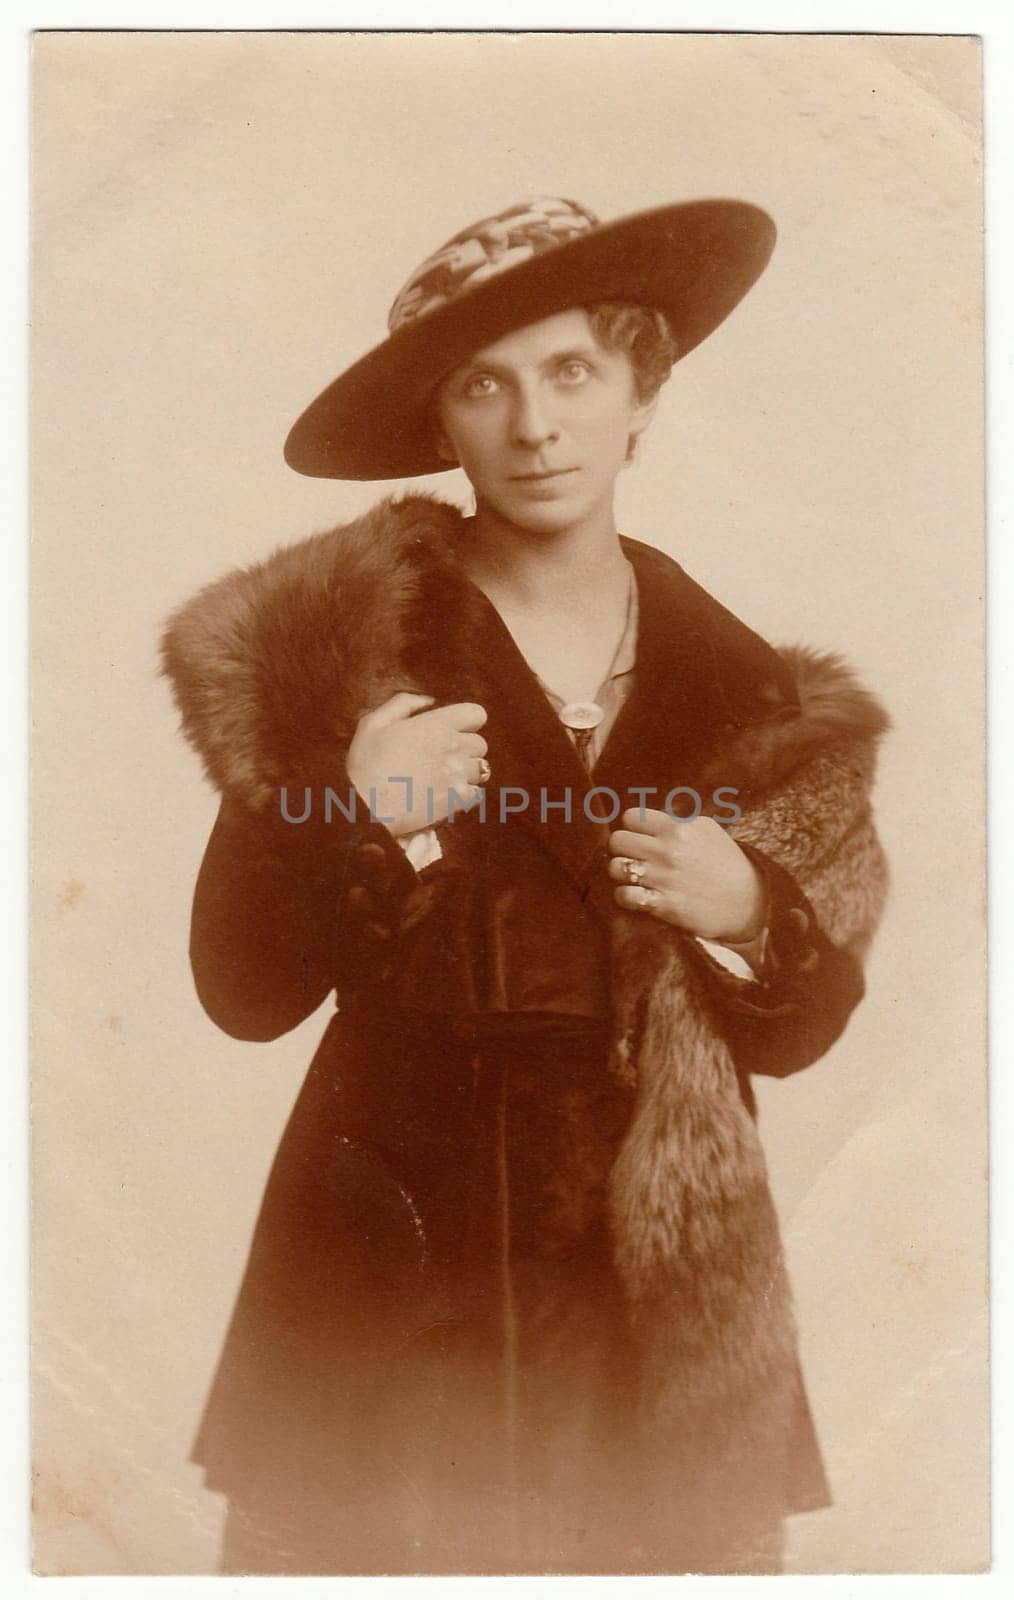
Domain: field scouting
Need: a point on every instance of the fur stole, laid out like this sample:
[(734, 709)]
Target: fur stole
[(696, 1234)]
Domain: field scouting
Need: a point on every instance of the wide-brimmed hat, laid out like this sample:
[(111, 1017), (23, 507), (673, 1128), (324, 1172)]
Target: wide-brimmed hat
[(693, 261)]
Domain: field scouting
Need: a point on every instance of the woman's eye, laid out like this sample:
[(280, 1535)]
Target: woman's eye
[(481, 383), (574, 371)]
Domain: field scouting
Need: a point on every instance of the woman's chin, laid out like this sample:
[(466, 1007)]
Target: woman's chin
[(557, 515)]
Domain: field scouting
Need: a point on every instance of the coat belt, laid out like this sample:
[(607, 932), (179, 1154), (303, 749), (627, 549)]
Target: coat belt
[(483, 1029)]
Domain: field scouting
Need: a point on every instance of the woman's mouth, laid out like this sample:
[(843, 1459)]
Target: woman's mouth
[(542, 477), (536, 480)]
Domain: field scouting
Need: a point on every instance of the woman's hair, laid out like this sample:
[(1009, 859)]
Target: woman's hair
[(644, 334)]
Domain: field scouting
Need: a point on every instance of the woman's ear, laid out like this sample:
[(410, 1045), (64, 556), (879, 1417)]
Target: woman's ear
[(640, 417), (643, 413)]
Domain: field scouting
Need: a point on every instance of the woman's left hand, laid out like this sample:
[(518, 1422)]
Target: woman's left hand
[(690, 873)]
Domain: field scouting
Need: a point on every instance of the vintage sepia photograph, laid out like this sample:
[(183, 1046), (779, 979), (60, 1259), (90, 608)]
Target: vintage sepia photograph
[(509, 1044)]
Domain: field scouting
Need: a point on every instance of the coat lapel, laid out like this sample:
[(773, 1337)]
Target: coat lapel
[(677, 711), (667, 728)]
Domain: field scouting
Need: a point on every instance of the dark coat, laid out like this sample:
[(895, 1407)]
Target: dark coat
[(623, 1053)]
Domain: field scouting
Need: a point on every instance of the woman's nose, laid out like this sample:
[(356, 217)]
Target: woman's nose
[(533, 421)]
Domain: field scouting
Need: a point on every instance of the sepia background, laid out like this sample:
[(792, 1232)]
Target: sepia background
[(220, 224)]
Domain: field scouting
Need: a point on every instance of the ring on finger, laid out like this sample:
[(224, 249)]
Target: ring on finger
[(485, 770), (635, 871)]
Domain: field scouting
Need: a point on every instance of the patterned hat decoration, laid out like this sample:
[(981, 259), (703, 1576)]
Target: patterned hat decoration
[(496, 244), (693, 261)]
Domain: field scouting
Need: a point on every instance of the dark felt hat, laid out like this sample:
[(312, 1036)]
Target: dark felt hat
[(693, 261)]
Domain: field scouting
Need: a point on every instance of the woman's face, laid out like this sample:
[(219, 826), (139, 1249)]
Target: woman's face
[(541, 422)]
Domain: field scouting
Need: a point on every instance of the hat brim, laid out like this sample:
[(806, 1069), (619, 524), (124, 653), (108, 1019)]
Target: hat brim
[(694, 262)]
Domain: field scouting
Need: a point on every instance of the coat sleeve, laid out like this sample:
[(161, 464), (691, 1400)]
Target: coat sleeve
[(284, 910), (824, 908)]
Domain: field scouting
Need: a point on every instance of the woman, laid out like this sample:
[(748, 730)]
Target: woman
[(579, 853)]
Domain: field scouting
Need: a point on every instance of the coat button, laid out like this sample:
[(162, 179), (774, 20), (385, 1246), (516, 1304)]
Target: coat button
[(367, 911), (369, 851), (798, 920), (370, 864)]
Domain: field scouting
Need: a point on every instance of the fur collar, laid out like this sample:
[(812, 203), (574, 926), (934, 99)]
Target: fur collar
[(273, 663)]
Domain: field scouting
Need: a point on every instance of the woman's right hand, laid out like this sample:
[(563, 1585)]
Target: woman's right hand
[(438, 750)]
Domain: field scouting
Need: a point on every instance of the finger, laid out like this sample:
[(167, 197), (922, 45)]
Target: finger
[(480, 770), (635, 898), (638, 846), (400, 705), (619, 871), (464, 715), (471, 744), (646, 821)]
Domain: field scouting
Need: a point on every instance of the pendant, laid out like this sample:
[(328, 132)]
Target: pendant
[(581, 715)]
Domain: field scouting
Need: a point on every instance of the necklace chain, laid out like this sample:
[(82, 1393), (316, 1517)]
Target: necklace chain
[(577, 707)]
